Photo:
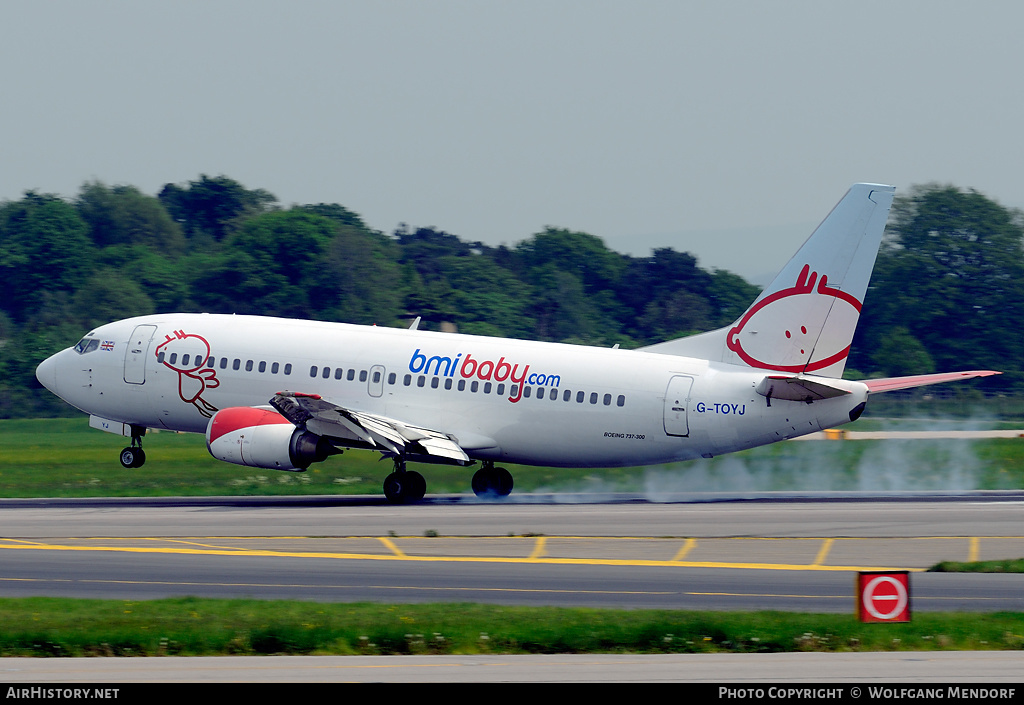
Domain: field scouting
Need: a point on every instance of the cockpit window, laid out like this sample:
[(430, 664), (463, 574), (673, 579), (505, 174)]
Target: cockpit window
[(87, 345)]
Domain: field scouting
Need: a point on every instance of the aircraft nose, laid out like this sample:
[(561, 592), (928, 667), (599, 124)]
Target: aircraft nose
[(46, 372)]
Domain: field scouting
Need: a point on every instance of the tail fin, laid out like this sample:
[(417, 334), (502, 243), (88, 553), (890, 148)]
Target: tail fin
[(805, 319)]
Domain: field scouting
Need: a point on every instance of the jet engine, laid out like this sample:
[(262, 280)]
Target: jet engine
[(262, 438)]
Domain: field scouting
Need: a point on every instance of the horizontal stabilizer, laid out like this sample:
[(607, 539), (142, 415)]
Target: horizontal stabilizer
[(889, 384), (797, 389)]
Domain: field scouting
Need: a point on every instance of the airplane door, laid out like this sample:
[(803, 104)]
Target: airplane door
[(136, 354), (376, 380), (677, 398)]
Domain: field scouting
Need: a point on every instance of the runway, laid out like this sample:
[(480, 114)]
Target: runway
[(958, 669), (796, 554)]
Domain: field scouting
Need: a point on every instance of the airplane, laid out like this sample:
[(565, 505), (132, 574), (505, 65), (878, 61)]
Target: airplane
[(283, 394)]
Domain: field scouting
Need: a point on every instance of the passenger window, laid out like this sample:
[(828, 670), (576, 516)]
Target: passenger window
[(362, 375), (434, 382), (352, 375), (621, 401), (288, 368), (248, 365), (313, 370), (174, 358), (553, 395), (421, 381), (566, 395), (474, 386), (236, 364), (327, 373), (579, 397), (223, 363), (159, 355), (274, 368), (500, 389), (448, 384), (211, 361), (407, 381), (392, 377), (185, 359), (593, 397), (462, 385), (263, 366), (487, 387), (607, 399), (338, 373)]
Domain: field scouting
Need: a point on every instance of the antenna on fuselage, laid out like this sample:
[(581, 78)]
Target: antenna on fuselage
[(415, 324)]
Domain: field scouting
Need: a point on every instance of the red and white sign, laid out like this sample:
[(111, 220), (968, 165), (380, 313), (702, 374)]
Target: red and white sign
[(883, 596)]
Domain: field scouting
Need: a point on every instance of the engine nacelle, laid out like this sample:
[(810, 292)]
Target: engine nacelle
[(262, 438)]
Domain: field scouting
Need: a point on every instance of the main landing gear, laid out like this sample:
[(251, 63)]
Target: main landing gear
[(407, 486), (133, 456), (404, 486), (490, 481)]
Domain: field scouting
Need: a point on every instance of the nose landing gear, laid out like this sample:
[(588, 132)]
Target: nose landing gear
[(133, 456)]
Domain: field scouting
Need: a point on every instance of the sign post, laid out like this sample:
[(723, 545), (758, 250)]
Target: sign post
[(883, 596)]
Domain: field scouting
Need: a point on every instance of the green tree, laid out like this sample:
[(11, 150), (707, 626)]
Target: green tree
[(951, 273), (583, 255), (123, 215), (361, 281), (488, 299), (665, 296), (899, 353), (109, 296), (44, 248), (213, 206), (271, 266), (729, 295)]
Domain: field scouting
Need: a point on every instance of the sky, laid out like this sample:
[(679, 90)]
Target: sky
[(727, 129)]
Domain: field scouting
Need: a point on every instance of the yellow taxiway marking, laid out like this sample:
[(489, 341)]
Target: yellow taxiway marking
[(539, 548), (399, 555), (972, 551), (823, 552), (390, 545), (687, 547), (193, 543)]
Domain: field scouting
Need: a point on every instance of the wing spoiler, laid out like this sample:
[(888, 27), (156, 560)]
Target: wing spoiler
[(363, 430)]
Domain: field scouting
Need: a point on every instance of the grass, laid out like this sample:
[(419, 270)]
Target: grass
[(66, 458), (1013, 565), (194, 627)]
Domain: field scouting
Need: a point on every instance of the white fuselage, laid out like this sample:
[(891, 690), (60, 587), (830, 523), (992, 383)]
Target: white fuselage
[(502, 399)]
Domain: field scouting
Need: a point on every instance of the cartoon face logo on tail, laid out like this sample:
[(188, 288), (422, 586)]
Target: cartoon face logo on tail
[(186, 354), (800, 329)]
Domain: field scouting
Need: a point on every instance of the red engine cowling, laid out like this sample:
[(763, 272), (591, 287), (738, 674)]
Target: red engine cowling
[(262, 438)]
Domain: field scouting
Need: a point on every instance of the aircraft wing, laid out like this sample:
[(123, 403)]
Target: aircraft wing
[(889, 384), (364, 430)]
